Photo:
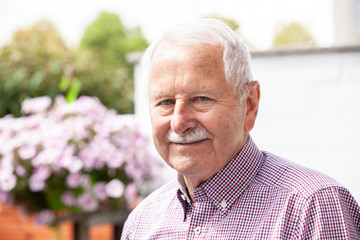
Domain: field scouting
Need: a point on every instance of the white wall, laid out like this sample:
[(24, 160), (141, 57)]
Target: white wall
[(309, 111)]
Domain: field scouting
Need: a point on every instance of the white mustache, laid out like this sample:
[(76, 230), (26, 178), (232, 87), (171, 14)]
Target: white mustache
[(193, 135)]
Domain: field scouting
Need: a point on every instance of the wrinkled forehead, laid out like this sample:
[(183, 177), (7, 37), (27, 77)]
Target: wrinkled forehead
[(203, 55), (190, 68), (201, 58)]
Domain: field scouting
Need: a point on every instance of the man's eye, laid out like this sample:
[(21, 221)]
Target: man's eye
[(166, 102), (203, 98)]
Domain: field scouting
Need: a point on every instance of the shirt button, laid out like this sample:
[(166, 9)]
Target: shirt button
[(183, 197), (197, 230), (223, 204)]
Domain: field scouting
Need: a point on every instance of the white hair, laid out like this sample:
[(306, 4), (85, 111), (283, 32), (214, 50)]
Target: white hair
[(236, 57), (190, 136)]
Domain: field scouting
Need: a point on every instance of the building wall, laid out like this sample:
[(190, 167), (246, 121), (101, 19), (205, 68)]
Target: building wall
[(309, 110)]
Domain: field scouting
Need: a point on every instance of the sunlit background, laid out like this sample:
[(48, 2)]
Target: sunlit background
[(330, 22), (305, 54)]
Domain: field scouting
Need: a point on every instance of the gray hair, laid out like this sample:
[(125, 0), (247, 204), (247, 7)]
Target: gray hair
[(236, 57)]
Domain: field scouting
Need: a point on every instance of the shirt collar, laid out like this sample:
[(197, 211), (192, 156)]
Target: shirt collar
[(228, 184)]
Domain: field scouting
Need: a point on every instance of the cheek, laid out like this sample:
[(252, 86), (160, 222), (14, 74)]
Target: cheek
[(227, 125), (224, 121), (159, 132), (160, 127)]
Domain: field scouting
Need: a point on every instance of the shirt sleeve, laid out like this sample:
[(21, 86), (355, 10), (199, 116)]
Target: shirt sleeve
[(331, 213)]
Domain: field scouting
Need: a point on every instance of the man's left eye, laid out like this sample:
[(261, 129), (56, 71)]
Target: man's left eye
[(203, 98)]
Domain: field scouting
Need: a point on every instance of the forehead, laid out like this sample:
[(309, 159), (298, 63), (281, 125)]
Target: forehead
[(168, 49), (186, 68), (200, 59)]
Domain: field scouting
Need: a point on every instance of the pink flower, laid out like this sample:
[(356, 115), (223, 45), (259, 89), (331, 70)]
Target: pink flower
[(74, 141), (36, 184), (20, 171), (44, 217), (27, 152), (42, 172), (74, 166), (100, 190), (87, 202), (6, 197), (131, 193), (115, 188), (85, 181), (36, 105), (7, 180), (134, 171), (73, 180), (68, 198)]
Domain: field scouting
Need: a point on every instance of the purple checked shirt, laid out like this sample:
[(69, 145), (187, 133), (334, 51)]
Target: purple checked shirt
[(255, 196)]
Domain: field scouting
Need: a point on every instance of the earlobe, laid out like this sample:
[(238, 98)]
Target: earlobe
[(252, 105)]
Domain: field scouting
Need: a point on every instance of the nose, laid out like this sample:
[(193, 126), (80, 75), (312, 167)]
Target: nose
[(182, 118)]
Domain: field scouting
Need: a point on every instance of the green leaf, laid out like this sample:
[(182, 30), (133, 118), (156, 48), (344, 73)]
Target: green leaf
[(53, 198), (64, 84), (74, 90)]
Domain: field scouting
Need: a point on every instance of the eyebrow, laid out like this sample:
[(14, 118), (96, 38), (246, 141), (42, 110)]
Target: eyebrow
[(156, 98)]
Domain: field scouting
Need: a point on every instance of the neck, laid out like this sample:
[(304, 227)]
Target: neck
[(191, 184), (190, 189), (194, 181)]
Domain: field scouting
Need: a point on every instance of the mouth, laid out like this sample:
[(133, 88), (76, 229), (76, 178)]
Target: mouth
[(190, 143)]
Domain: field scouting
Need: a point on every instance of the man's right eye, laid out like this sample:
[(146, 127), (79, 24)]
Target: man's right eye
[(166, 102)]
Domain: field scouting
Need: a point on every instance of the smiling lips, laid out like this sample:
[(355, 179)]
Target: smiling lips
[(190, 143)]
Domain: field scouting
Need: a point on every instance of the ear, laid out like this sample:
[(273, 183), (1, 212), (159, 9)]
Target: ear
[(252, 105)]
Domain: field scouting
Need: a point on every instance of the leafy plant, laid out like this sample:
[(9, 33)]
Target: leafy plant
[(37, 62), (30, 66), (293, 34)]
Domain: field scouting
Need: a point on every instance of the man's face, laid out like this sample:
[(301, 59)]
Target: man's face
[(188, 92)]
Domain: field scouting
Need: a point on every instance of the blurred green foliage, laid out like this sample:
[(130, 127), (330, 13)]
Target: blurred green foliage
[(37, 62), (233, 24), (31, 65), (103, 52), (293, 34)]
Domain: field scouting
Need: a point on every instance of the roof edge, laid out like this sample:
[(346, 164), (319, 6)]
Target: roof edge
[(303, 51)]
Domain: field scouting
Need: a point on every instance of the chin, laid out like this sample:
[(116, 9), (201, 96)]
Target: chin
[(188, 166)]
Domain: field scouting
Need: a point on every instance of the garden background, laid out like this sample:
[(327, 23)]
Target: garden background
[(314, 124)]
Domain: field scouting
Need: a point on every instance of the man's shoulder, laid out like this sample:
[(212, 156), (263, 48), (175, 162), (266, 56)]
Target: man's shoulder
[(282, 173), (159, 197)]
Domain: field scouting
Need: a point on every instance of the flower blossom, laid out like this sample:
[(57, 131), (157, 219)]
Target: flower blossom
[(115, 188), (6, 197), (77, 148), (27, 152), (68, 198), (7, 180), (36, 184), (44, 217), (100, 190), (73, 180), (131, 193), (36, 105), (87, 202)]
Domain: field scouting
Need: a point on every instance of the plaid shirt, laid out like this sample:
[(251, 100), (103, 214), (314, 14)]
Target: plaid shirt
[(256, 196)]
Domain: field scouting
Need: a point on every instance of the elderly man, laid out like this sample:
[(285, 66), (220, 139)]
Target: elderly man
[(203, 103)]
